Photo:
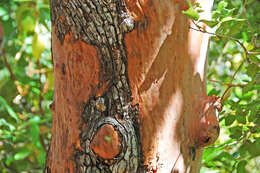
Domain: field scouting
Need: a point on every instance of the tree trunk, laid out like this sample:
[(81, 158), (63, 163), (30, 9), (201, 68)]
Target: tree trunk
[(129, 88)]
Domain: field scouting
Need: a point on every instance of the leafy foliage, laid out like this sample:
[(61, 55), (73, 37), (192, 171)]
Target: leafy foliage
[(26, 86)]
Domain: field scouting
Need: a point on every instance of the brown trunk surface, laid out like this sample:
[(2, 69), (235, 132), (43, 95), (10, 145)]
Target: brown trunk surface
[(129, 87)]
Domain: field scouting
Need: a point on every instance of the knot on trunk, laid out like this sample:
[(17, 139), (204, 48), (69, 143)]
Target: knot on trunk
[(208, 130), (106, 142)]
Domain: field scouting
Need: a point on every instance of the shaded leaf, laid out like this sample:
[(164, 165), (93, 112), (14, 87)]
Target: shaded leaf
[(34, 133), (22, 154), (209, 23), (4, 122), (235, 132), (229, 120), (241, 166), (8, 108), (37, 46)]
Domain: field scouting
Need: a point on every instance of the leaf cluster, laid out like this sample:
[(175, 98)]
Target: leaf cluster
[(234, 73), (26, 85)]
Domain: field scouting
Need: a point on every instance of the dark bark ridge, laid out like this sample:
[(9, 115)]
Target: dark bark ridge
[(103, 23)]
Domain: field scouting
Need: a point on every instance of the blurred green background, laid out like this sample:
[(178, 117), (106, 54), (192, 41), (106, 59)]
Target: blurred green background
[(26, 85)]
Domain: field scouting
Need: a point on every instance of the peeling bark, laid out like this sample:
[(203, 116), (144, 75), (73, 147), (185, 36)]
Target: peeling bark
[(129, 88)]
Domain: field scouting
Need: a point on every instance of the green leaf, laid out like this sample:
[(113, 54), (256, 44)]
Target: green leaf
[(238, 92), (249, 87), (252, 69), (9, 109), (223, 28), (50, 77), (222, 5), (236, 155), (197, 4), (250, 148), (41, 158), (191, 13), (241, 119), (253, 147), (225, 156), (2, 11), (229, 26), (28, 24), (235, 132), (212, 155), (22, 154), (236, 26), (4, 122), (209, 23), (252, 116), (214, 92), (9, 160), (35, 133), (229, 120), (37, 46), (241, 166), (255, 129), (34, 119), (248, 46), (189, 3), (6, 134)]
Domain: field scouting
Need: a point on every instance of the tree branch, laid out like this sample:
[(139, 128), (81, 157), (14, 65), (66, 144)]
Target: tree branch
[(248, 23), (2, 53), (228, 84), (41, 88), (228, 37)]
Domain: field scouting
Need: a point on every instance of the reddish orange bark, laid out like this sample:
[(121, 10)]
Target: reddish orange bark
[(107, 142), (166, 69), (76, 77), (167, 83)]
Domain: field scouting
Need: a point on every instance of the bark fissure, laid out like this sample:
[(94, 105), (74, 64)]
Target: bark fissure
[(103, 24)]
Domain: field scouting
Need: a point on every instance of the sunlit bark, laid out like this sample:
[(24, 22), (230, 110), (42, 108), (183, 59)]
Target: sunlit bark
[(129, 87)]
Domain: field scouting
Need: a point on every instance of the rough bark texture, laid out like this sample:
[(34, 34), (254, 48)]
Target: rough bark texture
[(129, 88)]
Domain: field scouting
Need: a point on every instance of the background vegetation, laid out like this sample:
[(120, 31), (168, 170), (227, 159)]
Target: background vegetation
[(26, 84)]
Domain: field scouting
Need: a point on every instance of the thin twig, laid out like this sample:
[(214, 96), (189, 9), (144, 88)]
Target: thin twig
[(224, 145), (248, 23), (42, 142), (8, 168), (233, 143), (41, 88), (175, 162), (253, 53), (228, 37), (2, 52), (231, 85), (8, 66)]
